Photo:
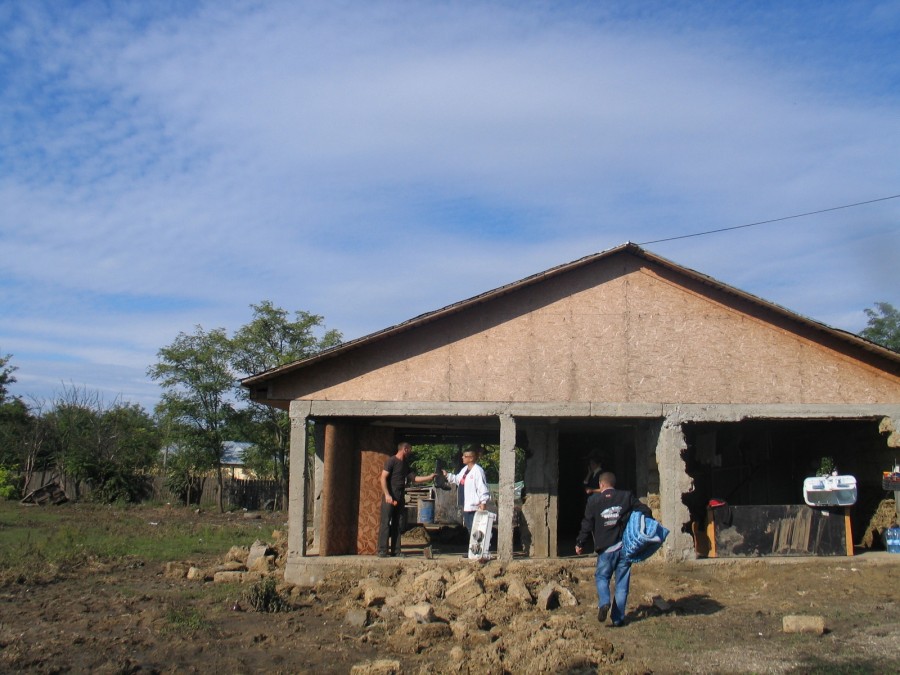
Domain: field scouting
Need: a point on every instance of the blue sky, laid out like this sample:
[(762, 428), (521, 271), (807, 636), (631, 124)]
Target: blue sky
[(164, 165)]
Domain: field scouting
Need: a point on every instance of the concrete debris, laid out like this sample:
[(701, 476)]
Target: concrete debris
[(421, 613), (358, 618)]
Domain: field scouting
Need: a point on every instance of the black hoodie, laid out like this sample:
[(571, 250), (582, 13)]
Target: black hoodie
[(605, 516)]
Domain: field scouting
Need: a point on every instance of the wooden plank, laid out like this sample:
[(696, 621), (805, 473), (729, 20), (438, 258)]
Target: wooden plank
[(848, 536), (780, 530)]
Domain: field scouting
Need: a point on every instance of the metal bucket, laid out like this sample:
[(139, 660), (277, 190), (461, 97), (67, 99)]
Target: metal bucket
[(426, 510)]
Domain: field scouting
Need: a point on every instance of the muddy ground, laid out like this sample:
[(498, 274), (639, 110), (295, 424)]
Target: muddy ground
[(451, 615)]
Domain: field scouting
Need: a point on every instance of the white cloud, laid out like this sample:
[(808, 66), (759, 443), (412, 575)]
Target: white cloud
[(370, 162)]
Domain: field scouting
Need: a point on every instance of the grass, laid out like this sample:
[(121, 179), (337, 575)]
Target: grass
[(185, 621), (37, 542)]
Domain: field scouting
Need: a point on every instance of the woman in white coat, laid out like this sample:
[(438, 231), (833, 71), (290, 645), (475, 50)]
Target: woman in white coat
[(473, 493)]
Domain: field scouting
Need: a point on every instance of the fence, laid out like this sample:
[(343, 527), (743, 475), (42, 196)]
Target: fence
[(239, 493)]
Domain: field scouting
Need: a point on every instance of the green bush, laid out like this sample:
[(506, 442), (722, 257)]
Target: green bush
[(263, 596), (8, 483)]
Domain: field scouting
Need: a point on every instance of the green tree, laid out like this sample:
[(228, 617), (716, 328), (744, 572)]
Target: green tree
[(109, 448), (198, 382), (270, 340), (883, 326), (6, 376)]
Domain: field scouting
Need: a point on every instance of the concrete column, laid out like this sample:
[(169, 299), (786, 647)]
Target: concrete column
[(297, 512), (673, 482), (646, 438), (507, 487), (540, 512)]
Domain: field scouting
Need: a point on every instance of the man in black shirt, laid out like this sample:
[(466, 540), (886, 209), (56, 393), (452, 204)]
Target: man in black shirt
[(605, 517), (394, 477)]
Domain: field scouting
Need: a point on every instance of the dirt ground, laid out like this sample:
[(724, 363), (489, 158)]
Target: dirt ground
[(451, 615)]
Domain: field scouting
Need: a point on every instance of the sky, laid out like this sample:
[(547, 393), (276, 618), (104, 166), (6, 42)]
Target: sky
[(166, 164)]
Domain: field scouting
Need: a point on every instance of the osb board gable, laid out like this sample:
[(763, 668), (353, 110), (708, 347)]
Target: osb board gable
[(619, 330)]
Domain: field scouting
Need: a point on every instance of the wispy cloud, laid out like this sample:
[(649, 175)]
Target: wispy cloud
[(164, 165)]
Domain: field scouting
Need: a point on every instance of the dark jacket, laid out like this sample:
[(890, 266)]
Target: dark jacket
[(605, 516)]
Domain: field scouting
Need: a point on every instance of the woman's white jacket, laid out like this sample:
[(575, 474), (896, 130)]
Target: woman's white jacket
[(475, 489)]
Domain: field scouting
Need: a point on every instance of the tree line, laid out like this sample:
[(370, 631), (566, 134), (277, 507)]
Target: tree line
[(115, 448)]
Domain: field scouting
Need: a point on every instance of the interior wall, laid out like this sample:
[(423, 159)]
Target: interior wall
[(764, 462)]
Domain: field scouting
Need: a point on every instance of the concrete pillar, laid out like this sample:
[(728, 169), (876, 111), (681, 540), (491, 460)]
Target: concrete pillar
[(673, 483), (507, 487), (540, 512), (646, 438), (315, 484), (297, 511)]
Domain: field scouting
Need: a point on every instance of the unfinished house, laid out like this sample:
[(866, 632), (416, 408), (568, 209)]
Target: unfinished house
[(692, 392)]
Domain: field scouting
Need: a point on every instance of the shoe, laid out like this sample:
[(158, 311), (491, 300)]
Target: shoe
[(602, 612), (397, 555), (617, 624), (382, 554)]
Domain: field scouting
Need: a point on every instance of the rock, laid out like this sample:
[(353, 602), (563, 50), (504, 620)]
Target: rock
[(237, 554), (517, 590), (250, 515), (196, 574), (565, 597), (263, 564), (175, 570), (379, 667), (375, 595), (661, 604), (231, 566), (228, 577), (464, 591), (358, 618), (421, 613), (258, 550), (548, 598), (799, 623)]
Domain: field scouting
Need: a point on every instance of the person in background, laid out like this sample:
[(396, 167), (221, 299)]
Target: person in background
[(592, 479), (394, 477), (473, 493), (605, 517)]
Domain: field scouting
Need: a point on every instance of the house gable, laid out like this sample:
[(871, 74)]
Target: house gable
[(621, 328)]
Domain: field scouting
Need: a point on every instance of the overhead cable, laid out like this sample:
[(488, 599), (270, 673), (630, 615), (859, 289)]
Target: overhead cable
[(773, 220)]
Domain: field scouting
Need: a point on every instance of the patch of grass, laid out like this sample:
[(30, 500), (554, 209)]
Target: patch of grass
[(185, 621), (38, 542)]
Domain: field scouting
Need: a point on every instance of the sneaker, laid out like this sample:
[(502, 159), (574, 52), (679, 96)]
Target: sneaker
[(602, 612)]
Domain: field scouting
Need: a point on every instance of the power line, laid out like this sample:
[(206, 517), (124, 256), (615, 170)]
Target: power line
[(773, 220)]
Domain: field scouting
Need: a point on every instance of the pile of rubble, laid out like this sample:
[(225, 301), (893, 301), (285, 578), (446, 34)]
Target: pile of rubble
[(462, 616)]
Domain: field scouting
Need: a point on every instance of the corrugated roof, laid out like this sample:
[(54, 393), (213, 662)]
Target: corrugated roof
[(630, 248)]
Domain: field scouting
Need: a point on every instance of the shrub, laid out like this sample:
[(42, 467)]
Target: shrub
[(8, 483), (263, 596)]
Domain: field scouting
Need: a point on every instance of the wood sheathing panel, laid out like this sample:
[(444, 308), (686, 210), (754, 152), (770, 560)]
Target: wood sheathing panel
[(375, 446), (622, 330)]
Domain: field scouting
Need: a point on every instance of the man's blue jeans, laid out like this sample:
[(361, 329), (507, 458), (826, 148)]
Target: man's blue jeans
[(607, 564)]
